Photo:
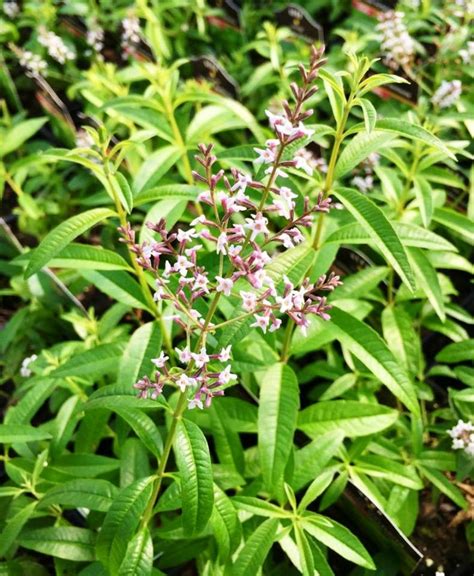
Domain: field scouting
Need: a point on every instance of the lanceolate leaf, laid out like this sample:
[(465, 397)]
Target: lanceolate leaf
[(457, 352), (93, 363), (423, 194), (67, 542), (118, 285), (121, 522), (359, 149), (428, 281), (144, 428), (409, 234), (304, 548), (93, 494), (380, 230), (62, 235), (10, 433), (277, 415), (338, 538), (255, 550), (372, 351), (138, 559), (194, 464), (352, 418), (82, 256), (226, 525), (402, 339), (414, 132), (13, 527), (144, 345)]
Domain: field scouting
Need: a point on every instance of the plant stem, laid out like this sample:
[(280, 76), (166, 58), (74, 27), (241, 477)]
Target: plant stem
[(285, 352)]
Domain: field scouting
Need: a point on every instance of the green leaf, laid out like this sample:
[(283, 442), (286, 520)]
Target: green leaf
[(227, 442), (427, 279), (337, 538), (379, 228), (138, 559), (155, 167), (226, 526), (79, 256), (118, 285), (396, 472), (194, 464), (277, 417), (115, 396), (121, 522), (23, 412), (13, 527), (458, 223), (352, 418), (370, 114), (316, 488), (11, 433), (414, 132), (100, 360), (62, 235), (259, 507), (304, 549), (423, 193), (144, 428), (255, 549), (402, 339), (94, 494), (368, 347), (69, 543), (312, 458), (122, 190), (168, 191), (376, 80), (409, 234), (455, 352), (144, 345), (439, 480), (19, 133), (359, 148)]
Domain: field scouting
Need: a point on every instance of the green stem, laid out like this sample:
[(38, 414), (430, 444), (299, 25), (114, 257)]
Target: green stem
[(285, 352), (177, 414)]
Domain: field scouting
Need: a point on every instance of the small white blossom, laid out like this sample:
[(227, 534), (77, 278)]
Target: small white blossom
[(55, 45), (261, 322), (182, 265), (200, 283), (222, 242), (224, 354), (11, 9), (184, 355), (184, 382), (397, 44), (33, 64), (195, 403), (257, 224), (265, 156), (25, 366), (224, 285), (249, 300), (447, 94), (463, 437), (201, 358), (226, 376), (161, 360)]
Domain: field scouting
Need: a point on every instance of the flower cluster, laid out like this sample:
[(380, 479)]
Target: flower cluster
[(33, 64), (55, 45), (25, 370), (467, 54), (396, 44), (130, 35), (95, 36), (463, 437), (201, 379), (11, 9), (229, 250), (447, 94), (363, 178)]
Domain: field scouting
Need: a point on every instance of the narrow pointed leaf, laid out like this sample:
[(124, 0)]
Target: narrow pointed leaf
[(255, 550), (194, 464), (427, 279), (277, 416), (62, 235), (371, 350), (380, 229), (138, 559), (359, 149)]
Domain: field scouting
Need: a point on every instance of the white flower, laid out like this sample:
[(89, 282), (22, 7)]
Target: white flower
[(201, 358), (186, 235), (285, 202), (285, 303), (200, 283), (396, 42), (33, 64), (57, 49), (265, 156), (224, 354), (302, 164), (11, 9), (278, 172), (184, 355), (182, 264), (261, 322), (195, 403), (226, 376), (447, 94), (161, 360), (276, 323), (159, 293), (258, 225), (242, 182), (280, 123), (286, 239), (249, 301), (222, 242), (224, 285), (184, 382), (25, 370), (234, 251), (95, 36)]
